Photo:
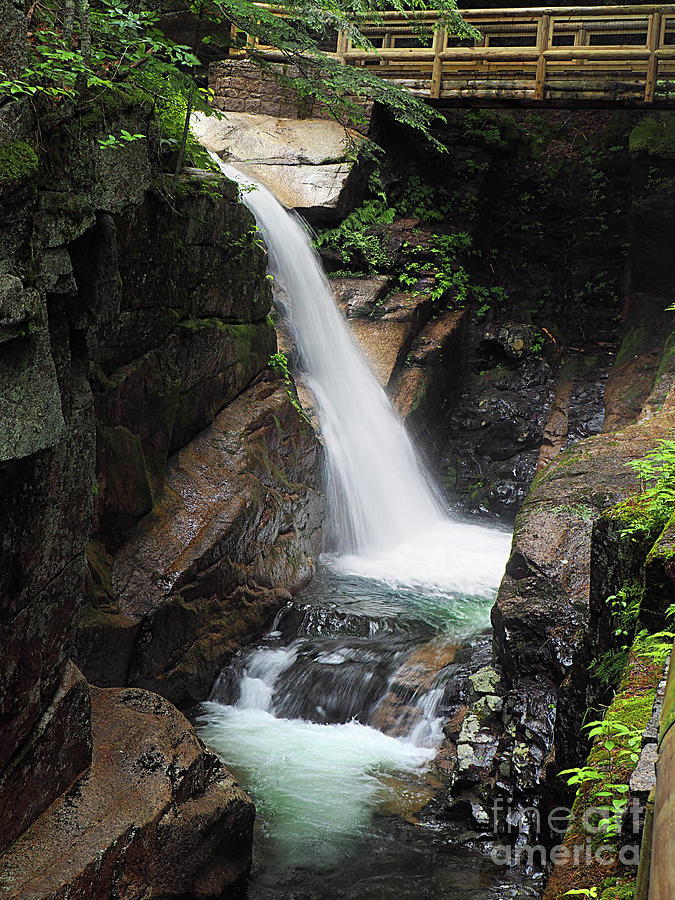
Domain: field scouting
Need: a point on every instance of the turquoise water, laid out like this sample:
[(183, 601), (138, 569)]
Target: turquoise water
[(326, 779)]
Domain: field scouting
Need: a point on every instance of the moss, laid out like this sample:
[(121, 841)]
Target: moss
[(633, 343), (100, 569), (18, 166), (654, 136), (667, 357), (195, 324), (632, 707), (617, 888)]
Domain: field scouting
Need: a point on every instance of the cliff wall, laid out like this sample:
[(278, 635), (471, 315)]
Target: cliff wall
[(132, 316)]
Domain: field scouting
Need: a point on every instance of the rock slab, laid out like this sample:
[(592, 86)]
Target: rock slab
[(155, 816)]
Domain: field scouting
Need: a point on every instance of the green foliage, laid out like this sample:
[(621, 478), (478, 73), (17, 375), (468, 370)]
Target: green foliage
[(359, 248), (110, 45), (656, 646), (608, 668), (625, 606), (124, 138), (488, 128), (649, 511), (616, 744), (171, 108), (657, 472), (440, 257), (279, 363), (582, 892), (424, 202)]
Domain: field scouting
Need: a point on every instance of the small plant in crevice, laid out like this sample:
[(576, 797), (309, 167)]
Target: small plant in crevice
[(616, 749), (582, 892), (279, 363)]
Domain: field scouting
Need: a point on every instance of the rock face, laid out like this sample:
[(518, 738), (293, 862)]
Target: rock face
[(415, 351), (563, 565), (153, 816), (129, 319), (237, 529), (551, 618)]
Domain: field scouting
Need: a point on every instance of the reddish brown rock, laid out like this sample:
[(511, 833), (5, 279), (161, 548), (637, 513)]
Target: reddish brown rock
[(154, 816), (433, 370), (237, 529), (57, 750)]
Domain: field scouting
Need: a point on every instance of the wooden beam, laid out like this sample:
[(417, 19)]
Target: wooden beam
[(438, 44), (616, 54), (653, 42), (515, 54), (543, 37)]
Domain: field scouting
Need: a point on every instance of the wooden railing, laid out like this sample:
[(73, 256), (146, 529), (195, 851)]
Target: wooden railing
[(624, 55)]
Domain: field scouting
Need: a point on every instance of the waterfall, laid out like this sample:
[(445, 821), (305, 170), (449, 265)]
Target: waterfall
[(340, 708), (378, 493)]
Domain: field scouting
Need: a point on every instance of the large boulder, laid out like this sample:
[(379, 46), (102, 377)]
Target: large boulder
[(236, 530), (308, 164), (154, 816)]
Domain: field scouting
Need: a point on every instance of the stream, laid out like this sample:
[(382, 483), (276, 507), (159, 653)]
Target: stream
[(334, 721)]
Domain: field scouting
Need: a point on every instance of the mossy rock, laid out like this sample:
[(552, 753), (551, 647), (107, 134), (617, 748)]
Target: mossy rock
[(19, 166), (654, 136)]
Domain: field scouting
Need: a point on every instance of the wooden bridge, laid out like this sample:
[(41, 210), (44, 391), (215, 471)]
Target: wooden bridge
[(554, 56)]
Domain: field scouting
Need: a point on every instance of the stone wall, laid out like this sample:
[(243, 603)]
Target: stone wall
[(241, 86)]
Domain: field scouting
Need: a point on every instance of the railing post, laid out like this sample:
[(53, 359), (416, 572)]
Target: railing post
[(341, 48), (653, 42), (386, 45), (542, 45), (436, 72)]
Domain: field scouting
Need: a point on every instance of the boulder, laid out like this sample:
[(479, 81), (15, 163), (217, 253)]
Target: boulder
[(308, 164), (236, 530), (154, 816)]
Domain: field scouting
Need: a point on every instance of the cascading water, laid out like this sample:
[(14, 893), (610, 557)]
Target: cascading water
[(378, 493), (386, 518), (344, 700)]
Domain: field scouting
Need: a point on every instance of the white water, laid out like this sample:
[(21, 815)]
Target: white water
[(317, 784), (378, 493)]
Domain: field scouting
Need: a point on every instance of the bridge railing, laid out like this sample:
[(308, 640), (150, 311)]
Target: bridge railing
[(624, 54)]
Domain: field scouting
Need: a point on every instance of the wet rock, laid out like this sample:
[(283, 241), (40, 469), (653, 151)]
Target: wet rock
[(237, 529), (512, 339), (154, 815), (431, 378), (130, 316), (638, 359), (358, 297), (55, 753), (493, 437), (485, 681), (386, 333)]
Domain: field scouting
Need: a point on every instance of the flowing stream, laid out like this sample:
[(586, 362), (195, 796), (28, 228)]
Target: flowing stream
[(333, 721)]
